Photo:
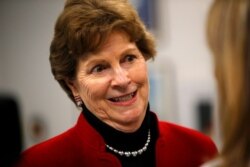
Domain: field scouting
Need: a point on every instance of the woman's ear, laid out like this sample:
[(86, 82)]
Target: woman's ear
[(73, 87)]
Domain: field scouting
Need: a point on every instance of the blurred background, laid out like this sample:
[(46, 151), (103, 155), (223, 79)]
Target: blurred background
[(183, 88)]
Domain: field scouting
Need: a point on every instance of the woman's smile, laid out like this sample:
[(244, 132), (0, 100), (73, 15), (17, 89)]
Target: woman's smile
[(124, 100)]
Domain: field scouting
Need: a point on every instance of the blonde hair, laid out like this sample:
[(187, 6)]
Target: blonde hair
[(83, 27), (228, 34)]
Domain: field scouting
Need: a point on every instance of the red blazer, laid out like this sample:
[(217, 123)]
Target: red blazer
[(82, 146)]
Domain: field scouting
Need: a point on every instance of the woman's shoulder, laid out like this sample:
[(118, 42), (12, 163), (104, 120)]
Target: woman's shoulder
[(179, 130), (60, 140), (179, 140), (187, 136), (46, 151)]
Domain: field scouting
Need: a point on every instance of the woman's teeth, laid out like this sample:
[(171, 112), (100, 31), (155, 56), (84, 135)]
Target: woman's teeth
[(123, 98)]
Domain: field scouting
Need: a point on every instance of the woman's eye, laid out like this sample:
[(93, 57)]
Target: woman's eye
[(98, 68), (129, 58)]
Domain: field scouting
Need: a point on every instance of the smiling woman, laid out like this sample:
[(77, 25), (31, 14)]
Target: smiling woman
[(98, 55), (114, 88)]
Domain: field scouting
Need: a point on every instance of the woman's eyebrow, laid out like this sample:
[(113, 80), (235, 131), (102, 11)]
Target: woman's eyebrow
[(129, 49)]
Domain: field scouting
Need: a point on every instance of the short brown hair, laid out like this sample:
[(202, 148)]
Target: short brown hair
[(83, 26)]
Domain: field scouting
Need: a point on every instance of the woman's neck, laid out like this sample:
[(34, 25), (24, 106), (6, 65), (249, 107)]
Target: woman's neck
[(119, 139), (129, 143)]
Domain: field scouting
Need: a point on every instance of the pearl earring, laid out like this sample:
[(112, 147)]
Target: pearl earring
[(78, 101)]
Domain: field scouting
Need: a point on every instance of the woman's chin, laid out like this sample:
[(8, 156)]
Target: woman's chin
[(131, 121)]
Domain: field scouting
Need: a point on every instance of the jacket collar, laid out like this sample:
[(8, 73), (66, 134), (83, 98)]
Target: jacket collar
[(89, 135)]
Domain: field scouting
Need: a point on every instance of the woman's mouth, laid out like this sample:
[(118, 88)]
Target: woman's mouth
[(123, 98)]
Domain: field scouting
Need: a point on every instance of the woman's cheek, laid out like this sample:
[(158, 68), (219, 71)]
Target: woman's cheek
[(139, 73), (96, 88)]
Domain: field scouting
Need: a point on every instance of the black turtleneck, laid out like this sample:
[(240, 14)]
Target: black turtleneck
[(128, 141)]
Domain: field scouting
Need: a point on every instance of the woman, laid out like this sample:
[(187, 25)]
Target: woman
[(228, 33), (98, 56)]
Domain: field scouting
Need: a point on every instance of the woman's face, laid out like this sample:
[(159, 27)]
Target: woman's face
[(113, 83)]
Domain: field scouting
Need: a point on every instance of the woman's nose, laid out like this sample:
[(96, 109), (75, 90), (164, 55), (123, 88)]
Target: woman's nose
[(121, 78)]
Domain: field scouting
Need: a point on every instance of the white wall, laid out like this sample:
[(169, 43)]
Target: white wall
[(26, 32), (182, 44), (182, 40)]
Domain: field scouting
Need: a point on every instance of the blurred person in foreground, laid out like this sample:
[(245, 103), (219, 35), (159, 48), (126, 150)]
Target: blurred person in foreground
[(98, 55), (228, 33)]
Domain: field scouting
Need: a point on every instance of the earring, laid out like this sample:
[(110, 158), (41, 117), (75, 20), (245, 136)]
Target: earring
[(78, 101)]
